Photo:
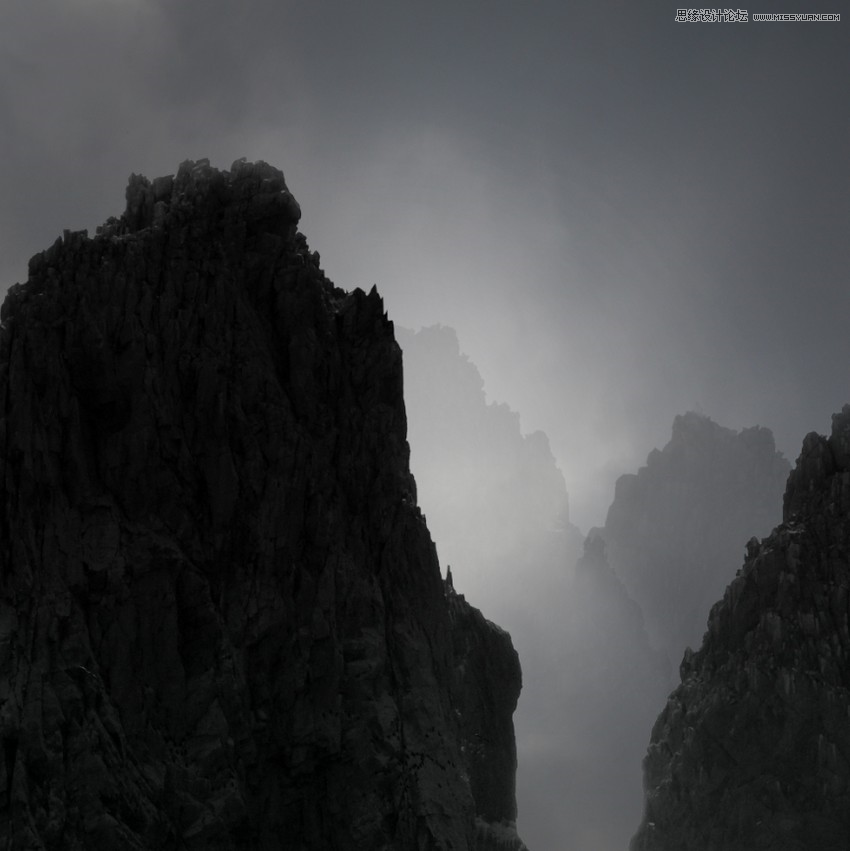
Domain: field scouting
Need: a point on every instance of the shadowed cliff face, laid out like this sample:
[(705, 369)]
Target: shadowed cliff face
[(222, 622), (753, 748)]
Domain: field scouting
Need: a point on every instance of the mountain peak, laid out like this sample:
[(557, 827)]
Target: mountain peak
[(813, 484), (676, 528), (222, 618), (256, 191)]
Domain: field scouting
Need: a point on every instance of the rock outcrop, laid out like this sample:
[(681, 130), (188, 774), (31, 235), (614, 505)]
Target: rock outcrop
[(487, 684), (676, 530), (753, 748), (222, 620)]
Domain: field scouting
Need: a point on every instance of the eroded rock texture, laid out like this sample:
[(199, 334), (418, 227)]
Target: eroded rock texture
[(222, 621), (753, 748)]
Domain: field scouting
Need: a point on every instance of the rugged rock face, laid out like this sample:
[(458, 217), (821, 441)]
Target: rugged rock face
[(676, 530), (753, 748), (222, 621), (488, 682)]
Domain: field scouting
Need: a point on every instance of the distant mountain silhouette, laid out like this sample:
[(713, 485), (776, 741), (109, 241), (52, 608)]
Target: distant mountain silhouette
[(492, 493), (676, 529)]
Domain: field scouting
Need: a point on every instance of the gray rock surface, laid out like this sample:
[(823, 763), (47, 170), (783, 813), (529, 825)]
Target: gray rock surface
[(753, 748), (222, 620)]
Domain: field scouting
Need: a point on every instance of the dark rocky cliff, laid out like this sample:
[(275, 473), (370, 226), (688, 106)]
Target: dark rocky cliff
[(753, 748), (222, 621)]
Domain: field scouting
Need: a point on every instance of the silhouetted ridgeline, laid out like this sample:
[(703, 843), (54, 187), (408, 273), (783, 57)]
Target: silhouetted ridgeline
[(222, 621), (753, 748)]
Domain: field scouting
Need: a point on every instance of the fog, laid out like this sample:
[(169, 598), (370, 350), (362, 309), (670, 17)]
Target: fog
[(622, 217), (601, 623)]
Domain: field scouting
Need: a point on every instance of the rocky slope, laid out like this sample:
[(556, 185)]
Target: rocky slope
[(753, 748), (676, 530), (222, 622)]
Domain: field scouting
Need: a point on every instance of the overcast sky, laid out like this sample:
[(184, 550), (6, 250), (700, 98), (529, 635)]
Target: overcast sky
[(624, 217)]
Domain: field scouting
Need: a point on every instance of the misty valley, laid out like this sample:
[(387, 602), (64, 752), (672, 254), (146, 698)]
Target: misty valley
[(600, 620)]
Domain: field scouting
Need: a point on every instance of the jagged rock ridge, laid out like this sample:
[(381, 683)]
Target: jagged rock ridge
[(753, 748), (222, 622)]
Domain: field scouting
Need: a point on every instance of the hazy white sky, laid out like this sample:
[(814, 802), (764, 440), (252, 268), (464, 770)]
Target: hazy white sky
[(623, 216)]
